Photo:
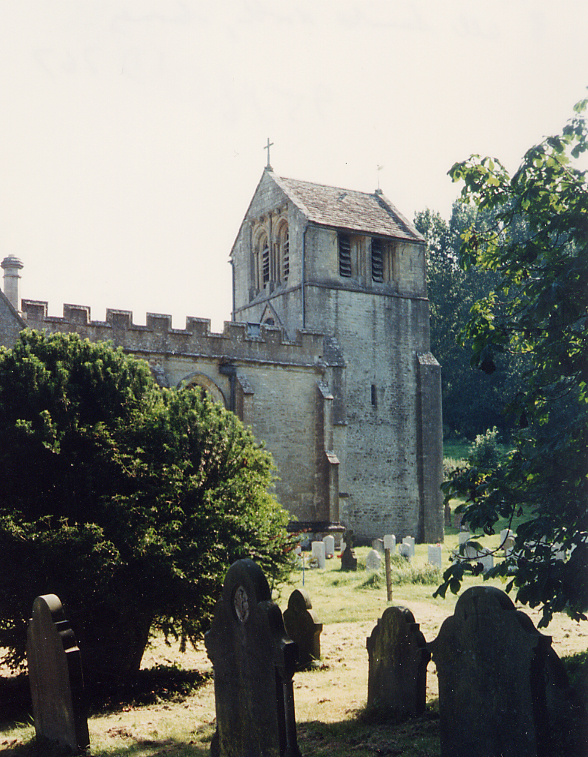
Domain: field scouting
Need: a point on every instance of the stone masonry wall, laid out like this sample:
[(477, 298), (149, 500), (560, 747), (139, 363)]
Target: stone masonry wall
[(276, 382)]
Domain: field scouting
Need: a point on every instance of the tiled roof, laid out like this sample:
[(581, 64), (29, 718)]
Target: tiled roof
[(348, 209)]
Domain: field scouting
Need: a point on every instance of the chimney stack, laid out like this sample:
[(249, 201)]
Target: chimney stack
[(12, 266)]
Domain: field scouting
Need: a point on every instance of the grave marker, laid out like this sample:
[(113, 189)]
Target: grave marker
[(55, 676), (253, 661), (348, 558), (434, 555), (303, 627), (490, 661), (329, 542), (378, 545), (404, 550), (398, 657), (373, 560), (411, 542), (318, 553)]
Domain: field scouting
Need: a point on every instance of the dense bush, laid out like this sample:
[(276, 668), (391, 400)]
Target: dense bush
[(127, 501)]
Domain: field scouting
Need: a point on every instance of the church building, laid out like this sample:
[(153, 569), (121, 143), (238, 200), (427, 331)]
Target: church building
[(327, 356)]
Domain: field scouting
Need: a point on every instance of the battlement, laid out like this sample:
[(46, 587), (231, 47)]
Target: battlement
[(249, 342)]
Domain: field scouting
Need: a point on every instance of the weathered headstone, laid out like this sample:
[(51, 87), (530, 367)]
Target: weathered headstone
[(490, 661), (253, 661), (378, 545), (486, 558), (329, 542), (373, 560), (411, 542), (398, 657), (318, 553), (348, 558), (404, 550), (390, 543), (434, 555), (55, 676), (303, 627), (463, 537)]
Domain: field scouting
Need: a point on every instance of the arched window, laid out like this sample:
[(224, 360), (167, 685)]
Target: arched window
[(284, 257), (264, 261)]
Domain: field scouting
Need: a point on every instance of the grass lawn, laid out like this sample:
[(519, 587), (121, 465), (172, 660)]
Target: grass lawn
[(329, 700)]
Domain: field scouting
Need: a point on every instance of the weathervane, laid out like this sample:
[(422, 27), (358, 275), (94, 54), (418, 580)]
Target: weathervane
[(267, 147), (379, 168)]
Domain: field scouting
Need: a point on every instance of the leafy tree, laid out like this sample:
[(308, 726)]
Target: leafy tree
[(127, 501), (538, 309), (472, 402)]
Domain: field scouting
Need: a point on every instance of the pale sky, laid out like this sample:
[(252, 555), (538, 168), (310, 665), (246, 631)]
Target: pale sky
[(132, 132)]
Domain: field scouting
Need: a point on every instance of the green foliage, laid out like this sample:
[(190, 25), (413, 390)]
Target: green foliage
[(537, 247), (127, 501), (485, 451), (472, 402)]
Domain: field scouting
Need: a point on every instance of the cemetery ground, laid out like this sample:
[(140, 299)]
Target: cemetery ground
[(172, 712)]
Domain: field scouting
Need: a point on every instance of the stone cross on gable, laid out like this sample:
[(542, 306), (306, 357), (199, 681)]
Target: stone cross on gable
[(267, 147)]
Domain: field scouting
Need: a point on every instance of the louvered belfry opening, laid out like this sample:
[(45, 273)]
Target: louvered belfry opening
[(377, 260), (344, 255)]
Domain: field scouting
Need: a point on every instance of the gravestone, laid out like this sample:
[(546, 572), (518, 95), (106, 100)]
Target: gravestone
[(434, 555), (390, 543), (303, 627), (378, 545), (463, 537), (373, 560), (318, 553), (398, 657), (253, 662), (410, 541), (55, 677), (329, 542), (348, 558), (404, 550), (490, 662)]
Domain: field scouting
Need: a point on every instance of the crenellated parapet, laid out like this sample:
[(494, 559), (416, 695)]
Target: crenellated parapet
[(238, 341)]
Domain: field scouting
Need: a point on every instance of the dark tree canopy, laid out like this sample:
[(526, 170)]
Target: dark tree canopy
[(127, 501), (538, 249), (472, 401)]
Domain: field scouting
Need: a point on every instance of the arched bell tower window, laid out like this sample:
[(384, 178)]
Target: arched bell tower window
[(284, 252), (265, 261)]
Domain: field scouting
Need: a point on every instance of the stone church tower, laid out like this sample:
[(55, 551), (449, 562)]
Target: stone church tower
[(349, 265), (326, 357)]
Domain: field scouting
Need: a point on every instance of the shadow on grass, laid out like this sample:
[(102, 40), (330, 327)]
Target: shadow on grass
[(144, 748), (150, 686), (368, 733)]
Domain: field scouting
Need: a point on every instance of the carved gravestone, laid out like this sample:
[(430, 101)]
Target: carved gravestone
[(490, 663), (373, 561), (55, 676), (253, 663), (348, 558), (398, 657), (303, 627)]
